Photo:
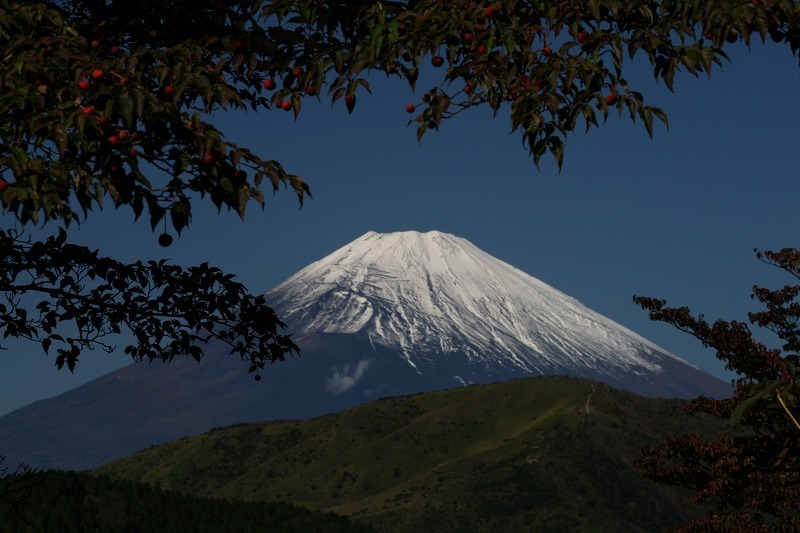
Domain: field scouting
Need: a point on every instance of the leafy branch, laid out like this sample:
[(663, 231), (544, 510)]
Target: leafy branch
[(15, 487), (170, 310), (115, 99), (751, 476)]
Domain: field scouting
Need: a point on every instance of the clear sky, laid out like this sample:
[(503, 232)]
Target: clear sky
[(676, 217)]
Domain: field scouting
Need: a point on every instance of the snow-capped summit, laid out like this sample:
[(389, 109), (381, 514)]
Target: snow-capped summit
[(448, 307)]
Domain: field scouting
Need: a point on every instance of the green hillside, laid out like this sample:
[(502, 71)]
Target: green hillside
[(545, 454), (75, 502)]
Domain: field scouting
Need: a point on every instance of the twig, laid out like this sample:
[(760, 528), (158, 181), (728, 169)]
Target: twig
[(787, 410)]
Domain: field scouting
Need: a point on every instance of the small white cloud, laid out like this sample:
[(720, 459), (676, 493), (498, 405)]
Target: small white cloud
[(344, 380)]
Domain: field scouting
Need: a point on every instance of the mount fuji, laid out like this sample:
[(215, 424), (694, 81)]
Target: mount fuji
[(450, 310), (387, 314)]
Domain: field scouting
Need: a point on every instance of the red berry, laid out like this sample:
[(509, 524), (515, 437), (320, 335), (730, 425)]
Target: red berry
[(525, 81), (3, 185), (481, 50), (113, 140), (269, 84), (95, 43), (611, 99), (437, 61), (410, 108), (88, 110), (97, 73), (467, 89), (239, 45), (468, 38), (286, 105), (297, 72), (208, 159), (547, 51), (489, 11), (115, 50), (169, 89), (84, 85), (582, 36), (311, 90), (165, 239), (257, 377), (123, 80)]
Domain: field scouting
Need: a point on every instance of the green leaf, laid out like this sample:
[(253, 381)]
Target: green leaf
[(757, 392), (140, 102), (180, 215), (243, 195), (647, 117), (125, 104)]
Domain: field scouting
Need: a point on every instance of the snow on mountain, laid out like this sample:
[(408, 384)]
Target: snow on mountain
[(433, 294)]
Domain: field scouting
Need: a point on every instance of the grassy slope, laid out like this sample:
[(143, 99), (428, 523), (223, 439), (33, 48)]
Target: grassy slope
[(540, 453)]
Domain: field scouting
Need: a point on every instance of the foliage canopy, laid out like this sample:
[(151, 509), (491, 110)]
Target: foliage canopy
[(75, 502)]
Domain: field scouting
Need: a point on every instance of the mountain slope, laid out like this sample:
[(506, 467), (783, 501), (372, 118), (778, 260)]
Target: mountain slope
[(536, 454)]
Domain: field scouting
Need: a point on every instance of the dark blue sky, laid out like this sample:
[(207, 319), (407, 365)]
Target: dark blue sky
[(675, 217)]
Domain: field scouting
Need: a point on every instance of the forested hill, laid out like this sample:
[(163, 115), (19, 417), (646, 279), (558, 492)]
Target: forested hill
[(76, 502), (536, 454)]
